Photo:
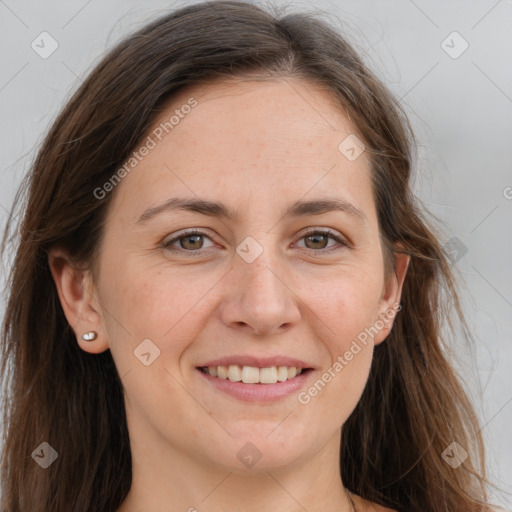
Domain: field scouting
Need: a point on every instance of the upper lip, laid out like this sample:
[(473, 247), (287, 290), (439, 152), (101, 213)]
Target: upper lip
[(260, 362)]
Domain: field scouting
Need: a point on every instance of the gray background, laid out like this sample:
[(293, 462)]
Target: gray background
[(460, 108)]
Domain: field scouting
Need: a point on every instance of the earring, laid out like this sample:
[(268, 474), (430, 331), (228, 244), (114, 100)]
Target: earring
[(89, 336)]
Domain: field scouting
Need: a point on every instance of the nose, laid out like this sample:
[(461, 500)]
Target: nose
[(261, 298)]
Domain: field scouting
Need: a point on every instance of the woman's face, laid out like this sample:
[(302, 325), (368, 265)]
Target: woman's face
[(254, 284)]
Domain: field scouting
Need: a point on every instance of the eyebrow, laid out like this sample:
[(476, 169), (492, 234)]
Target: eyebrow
[(216, 209)]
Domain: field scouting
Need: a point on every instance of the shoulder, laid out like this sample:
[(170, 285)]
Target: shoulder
[(368, 506), (379, 508)]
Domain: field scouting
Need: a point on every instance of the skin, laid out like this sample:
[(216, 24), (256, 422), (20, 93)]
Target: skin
[(257, 146)]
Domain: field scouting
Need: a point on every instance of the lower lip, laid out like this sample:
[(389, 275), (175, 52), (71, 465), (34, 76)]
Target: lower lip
[(258, 392)]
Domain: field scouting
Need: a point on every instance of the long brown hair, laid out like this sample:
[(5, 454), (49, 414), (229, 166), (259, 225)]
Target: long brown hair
[(413, 406)]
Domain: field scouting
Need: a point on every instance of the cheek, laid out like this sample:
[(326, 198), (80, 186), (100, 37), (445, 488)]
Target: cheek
[(339, 388), (163, 305), (347, 304), (340, 383), (345, 314)]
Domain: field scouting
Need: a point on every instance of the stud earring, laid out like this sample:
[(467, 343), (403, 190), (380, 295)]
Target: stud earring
[(89, 336)]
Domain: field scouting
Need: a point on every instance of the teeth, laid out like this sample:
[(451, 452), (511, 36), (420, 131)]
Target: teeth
[(282, 373), (235, 373), (268, 375), (253, 375), (222, 372), (250, 375)]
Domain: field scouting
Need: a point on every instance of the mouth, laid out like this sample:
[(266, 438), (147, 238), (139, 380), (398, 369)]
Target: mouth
[(256, 377), (254, 374)]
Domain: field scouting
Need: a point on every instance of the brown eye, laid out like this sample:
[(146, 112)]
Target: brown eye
[(317, 240), (190, 242)]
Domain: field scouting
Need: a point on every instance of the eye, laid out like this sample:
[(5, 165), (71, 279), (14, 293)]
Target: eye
[(190, 241), (318, 238)]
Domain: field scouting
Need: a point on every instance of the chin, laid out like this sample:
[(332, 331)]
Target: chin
[(249, 452)]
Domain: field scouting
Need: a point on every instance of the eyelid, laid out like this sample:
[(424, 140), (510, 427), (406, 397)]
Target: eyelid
[(187, 232), (308, 232), (345, 244)]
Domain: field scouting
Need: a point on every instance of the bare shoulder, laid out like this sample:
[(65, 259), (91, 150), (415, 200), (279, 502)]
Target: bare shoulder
[(379, 508), (368, 506)]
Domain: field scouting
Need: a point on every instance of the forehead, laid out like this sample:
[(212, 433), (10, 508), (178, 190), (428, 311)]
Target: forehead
[(278, 114), (242, 137)]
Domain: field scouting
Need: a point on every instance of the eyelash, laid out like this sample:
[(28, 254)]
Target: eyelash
[(331, 234)]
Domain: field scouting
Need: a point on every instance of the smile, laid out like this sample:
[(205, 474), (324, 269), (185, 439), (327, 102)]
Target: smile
[(255, 384), (253, 374)]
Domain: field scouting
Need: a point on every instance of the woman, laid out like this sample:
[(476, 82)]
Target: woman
[(176, 339)]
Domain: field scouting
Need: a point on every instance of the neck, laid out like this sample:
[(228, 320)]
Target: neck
[(169, 480)]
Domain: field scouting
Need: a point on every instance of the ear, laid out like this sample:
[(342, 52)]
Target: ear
[(78, 299), (389, 304)]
